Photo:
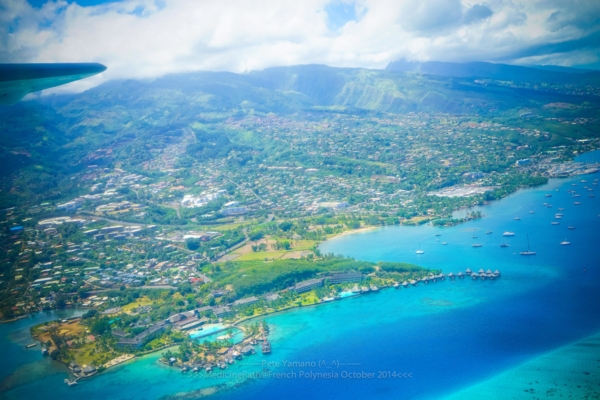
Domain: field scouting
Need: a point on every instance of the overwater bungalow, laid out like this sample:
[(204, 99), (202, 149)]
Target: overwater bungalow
[(474, 275), (481, 271), (266, 347), (451, 275), (441, 276), (247, 350), (460, 274), (497, 273), (491, 276), (489, 271), (468, 271), (414, 283)]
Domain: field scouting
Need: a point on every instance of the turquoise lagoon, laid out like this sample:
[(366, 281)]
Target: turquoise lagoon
[(459, 338)]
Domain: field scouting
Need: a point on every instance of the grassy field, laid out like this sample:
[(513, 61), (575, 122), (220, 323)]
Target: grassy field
[(228, 227), (299, 245), (142, 301), (261, 255), (83, 354), (72, 329), (309, 298)]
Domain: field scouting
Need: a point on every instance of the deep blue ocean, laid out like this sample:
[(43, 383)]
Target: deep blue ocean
[(424, 342)]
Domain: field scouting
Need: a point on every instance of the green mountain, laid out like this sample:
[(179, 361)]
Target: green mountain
[(57, 135), (503, 72)]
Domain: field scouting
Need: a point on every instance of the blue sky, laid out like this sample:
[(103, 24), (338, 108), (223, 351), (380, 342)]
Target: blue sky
[(150, 38)]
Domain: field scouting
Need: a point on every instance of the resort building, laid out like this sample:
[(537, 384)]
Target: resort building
[(245, 301), (142, 338), (305, 286), (345, 277), (222, 312)]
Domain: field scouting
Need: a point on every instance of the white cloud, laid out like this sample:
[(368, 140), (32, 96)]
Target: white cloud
[(146, 38)]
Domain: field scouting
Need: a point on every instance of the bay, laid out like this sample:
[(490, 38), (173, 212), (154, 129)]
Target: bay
[(423, 342)]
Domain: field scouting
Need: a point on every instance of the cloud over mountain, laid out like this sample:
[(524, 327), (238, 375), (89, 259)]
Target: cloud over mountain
[(150, 38)]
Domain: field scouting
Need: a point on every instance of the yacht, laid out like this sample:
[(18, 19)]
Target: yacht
[(548, 195), (517, 219), (571, 227), (554, 223), (504, 245), (473, 237), (565, 243), (561, 209), (577, 203), (477, 245), (420, 251), (528, 252), (508, 234), (488, 232)]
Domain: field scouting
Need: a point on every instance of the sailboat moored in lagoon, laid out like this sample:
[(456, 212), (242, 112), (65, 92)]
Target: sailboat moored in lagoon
[(528, 252)]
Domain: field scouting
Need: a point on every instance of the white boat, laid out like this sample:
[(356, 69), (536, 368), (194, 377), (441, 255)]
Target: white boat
[(565, 243), (420, 252), (508, 234), (528, 252)]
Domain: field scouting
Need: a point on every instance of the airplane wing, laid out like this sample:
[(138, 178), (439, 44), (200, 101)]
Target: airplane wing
[(17, 80)]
